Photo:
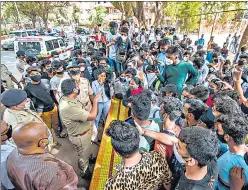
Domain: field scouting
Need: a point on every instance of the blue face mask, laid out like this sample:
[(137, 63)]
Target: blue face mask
[(163, 52)]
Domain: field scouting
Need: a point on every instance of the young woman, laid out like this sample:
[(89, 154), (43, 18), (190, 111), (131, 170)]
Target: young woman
[(102, 85)]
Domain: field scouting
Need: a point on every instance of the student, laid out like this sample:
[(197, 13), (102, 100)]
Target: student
[(125, 140)]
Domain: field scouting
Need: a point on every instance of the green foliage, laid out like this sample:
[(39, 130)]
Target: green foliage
[(97, 15)]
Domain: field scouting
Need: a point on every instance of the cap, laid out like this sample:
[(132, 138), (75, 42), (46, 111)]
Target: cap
[(20, 53), (33, 68), (170, 88), (13, 97), (74, 65)]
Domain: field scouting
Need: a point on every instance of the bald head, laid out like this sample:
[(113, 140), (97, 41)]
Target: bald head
[(28, 135)]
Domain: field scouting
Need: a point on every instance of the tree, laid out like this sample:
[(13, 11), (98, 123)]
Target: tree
[(244, 39), (47, 7), (138, 12), (97, 15), (158, 10), (124, 7), (29, 9)]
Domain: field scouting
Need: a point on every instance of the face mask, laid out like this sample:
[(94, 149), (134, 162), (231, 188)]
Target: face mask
[(123, 38), (27, 105), (128, 80), (82, 69), (73, 73), (78, 91), (36, 78), (9, 132), (122, 79), (60, 73), (112, 31), (186, 59), (169, 62), (221, 138), (216, 60), (50, 70), (163, 51), (177, 155), (34, 64)]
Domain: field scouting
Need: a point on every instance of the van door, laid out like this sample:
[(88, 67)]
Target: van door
[(64, 53)]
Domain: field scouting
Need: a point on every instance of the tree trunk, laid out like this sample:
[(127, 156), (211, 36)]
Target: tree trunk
[(138, 11), (33, 21), (158, 14), (244, 39), (213, 25)]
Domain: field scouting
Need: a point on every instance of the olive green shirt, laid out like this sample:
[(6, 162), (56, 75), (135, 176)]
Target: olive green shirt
[(74, 116)]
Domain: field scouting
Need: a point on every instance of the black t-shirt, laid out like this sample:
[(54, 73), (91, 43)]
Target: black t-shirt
[(207, 183), (40, 97)]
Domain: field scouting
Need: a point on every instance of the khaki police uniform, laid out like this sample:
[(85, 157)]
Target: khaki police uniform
[(85, 93), (17, 117), (6, 77), (74, 117)]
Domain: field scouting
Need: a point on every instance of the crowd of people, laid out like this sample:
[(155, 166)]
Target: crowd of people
[(187, 104)]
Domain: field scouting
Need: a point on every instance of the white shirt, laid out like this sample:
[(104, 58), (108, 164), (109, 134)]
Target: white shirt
[(6, 149)]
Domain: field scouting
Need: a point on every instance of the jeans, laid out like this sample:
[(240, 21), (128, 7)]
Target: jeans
[(111, 62), (103, 108), (120, 67)]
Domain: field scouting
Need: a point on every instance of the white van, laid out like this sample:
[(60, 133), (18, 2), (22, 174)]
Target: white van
[(43, 46)]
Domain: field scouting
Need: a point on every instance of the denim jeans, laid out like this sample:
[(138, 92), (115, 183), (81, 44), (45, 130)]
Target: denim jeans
[(103, 108), (120, 66)]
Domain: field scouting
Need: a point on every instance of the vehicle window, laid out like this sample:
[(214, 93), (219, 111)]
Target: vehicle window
[(17, 34), (49, 45), (24, 46), (24, 34), (56, 43), (29, 33), (61, 42)]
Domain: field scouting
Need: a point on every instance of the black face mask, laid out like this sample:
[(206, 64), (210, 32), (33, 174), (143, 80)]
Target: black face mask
[(221, 138), (74, 72), (78, 91), (183, 116), (9, 132), (60, 73), (50, 70), (216, 60), (36, 78)]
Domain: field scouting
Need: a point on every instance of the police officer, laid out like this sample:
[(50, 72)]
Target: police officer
[(17, 105), (17, 110), (21, 64), (77, 121), (7, 78)]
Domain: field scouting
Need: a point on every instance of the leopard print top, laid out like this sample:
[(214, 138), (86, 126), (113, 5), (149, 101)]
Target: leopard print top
[(149, 174)]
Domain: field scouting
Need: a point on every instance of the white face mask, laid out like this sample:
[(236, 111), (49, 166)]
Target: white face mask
[(150, 78), (34, 64), (177, 155), (27, 105), (169, 61), (123, 38), (128, 80), (186, 59), (82, 69)]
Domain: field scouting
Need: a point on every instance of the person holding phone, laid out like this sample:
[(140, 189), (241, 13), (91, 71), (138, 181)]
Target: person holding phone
[(101, 85)]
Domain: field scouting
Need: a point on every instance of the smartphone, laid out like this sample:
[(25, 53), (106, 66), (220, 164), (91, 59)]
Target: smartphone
[(130, 121)]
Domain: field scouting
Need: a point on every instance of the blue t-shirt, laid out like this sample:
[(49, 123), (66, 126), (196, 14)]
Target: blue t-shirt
[(161, 57), (225, 163), (201, 41)]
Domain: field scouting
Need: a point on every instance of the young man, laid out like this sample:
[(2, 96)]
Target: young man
[(122, 46), (232, 130), (198, 148), (110, 47), (178, 71), (31, 167), (140, 107), (77, 121), (55, 81), (139, 170), (163, 45), (201, 41), (193, 110), (43, 103)]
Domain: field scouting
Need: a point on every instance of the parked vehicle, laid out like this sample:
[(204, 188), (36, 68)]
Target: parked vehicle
[(9, 43), (43, 46)]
